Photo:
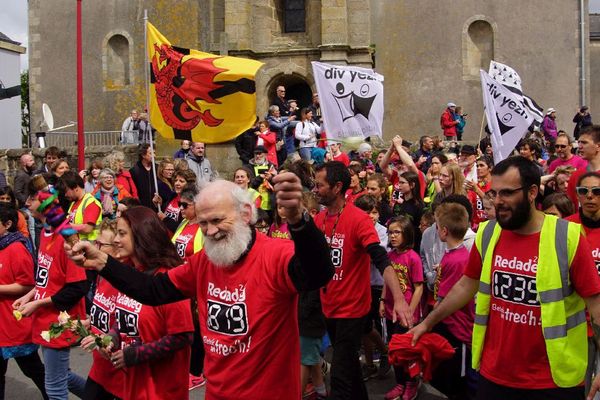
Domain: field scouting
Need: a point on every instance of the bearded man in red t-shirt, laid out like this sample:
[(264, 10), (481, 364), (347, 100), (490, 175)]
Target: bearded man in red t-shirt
[(245, 284), (516, 348), (346, 300)]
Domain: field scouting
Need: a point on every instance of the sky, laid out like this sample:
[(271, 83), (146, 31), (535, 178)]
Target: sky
[(13, 22)]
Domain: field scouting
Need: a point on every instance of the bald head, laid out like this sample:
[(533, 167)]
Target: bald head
[(27, 161)]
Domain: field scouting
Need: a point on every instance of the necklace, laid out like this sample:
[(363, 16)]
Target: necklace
[(337, 219)]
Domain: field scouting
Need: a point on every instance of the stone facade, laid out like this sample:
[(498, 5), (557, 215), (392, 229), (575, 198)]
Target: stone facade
[(429, 52)]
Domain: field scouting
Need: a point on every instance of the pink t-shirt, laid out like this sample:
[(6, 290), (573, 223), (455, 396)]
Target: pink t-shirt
[(575, 161), (409, 270), (450, 270)]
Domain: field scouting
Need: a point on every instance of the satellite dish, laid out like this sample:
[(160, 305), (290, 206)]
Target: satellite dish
[(48, 118)]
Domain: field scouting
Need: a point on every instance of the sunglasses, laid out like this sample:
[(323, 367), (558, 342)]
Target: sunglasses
[(583, 191), (183, 205)]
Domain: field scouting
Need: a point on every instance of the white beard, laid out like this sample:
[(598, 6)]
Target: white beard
[(226, 251)]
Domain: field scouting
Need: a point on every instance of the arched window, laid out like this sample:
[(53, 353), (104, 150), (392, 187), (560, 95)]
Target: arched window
[(117, 62), (478, 47)]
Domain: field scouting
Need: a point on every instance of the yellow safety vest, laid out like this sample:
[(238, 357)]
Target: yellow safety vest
[(78, 218), (562, 309), (198, 238)]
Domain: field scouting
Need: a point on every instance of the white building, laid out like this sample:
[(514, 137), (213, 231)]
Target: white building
[(10, 108)]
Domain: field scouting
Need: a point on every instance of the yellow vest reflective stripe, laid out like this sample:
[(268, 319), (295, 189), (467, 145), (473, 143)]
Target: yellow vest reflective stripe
[(562, 309), (78, 218), (198, 238)]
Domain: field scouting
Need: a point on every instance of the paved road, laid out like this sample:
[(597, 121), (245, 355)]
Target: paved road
[(19, 387)]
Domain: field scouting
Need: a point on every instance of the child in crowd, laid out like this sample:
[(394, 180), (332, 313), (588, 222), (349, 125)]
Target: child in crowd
[(408, 267), (311, 323), (452, 222), (372, 333), (427, 219), (279, 228)]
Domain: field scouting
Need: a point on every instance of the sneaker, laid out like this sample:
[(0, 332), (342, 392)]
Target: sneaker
[(411, 391), (196, 381), (384, 366), (395, 393), (368, 372)]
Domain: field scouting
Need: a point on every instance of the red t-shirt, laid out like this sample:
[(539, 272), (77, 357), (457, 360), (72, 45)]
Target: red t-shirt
[(164, 378), (450, 270), (172, 210), (184, 243), (348, 294), (16, 266), (248, 322), (90, 214), (351, 197), (409, 270), (343, 158), (102, 319), (514, 351), (593, 238), (279, 232), (55, 269)]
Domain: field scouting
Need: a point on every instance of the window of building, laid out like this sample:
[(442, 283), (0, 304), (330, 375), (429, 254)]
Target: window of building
[(294, 12), (117, 62), (479, 47)]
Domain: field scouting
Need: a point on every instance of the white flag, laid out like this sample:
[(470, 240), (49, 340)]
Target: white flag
[(507, 118), (508, 77), (351, 100)]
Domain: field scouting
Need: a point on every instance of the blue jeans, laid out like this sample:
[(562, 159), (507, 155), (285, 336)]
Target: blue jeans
[(305, 153), (59, 378)]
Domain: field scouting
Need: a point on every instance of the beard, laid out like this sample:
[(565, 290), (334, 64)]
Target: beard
[(224, 249), (518, 218)]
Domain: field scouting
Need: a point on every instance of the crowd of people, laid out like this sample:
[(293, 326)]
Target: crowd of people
[(243, 284)]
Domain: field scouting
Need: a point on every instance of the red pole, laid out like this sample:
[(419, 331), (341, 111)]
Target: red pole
[(80, 135)]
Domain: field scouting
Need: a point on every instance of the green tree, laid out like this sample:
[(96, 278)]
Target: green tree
[(25, 127)]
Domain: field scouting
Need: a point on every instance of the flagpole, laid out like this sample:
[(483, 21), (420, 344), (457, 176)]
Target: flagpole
[(147, 74), (481, 129)]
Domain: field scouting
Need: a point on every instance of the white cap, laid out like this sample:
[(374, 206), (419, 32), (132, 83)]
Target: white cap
[(451, 105), (550, 111), (363, 148)]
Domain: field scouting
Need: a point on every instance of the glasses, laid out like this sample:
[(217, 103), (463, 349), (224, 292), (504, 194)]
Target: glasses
[(183, 205), (100, 244), (584, 191), (561, 146), (503, 193), (394, 233)]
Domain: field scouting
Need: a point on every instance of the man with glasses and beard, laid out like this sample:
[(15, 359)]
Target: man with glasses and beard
[(246, 285), (534, 276)]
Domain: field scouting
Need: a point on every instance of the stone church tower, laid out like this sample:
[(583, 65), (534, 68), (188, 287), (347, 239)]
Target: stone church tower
[(430, 52)]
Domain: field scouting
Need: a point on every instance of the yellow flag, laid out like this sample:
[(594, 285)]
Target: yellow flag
[(199, 96)]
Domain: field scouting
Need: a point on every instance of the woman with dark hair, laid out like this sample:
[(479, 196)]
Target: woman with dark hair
[(410, 203), (16, 279), (7, 196), (153, 342), (355, 190), (305, 172), (377, 186), (171, 216), (307, 133)]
